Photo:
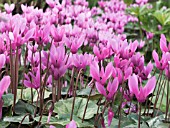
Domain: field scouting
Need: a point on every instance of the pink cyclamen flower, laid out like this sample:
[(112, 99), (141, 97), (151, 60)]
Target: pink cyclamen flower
[(149, 35), (2, 60), (111, 88), (160, 64), (9, 8), (4, 84), (100, 75), (35, 80), (141, 94), (72, 124)]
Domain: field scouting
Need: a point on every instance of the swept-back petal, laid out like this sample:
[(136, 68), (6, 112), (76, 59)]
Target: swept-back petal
[(94, 71), (149, 87), (133, 84), (4, 84), (156, 58), (2, 60), (163, 43), (108, 70), (112, 88), (100, 88)]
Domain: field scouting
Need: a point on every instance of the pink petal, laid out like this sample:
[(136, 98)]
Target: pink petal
[(28, 84), (4, 84), (156, 58), (110, 116), (29, 34), (112, 87), (163, 43), (2, 60), (94, 71), (108, 70), (150, 86), (100, 89), (128, 72), (72, 124), (133, 84)]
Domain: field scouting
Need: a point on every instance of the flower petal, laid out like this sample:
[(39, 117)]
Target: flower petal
[(4, 84), (133, 84), (150, 86), (100, 88), (163, 43)]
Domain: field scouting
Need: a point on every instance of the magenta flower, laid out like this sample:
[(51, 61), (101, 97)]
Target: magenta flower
[(2, 60), (111, 88), (35, 79), (100, 75), (9, 8), (101, 52), (58, 60), (4, 84), (74, 43), (160, 64), (72, 124), (141, 94)]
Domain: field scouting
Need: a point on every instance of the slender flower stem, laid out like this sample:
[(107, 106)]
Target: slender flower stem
[(28, 114), (59, 87), (53, 90), (71, 82), (159, 77), (98, 103), (74, 91), (52, 106), (161, 97), (36, 104), (139, 116), (120, 113), (41, 86), (16, 77), (25, 60), (167, 103), (87, 103), (158, 93)]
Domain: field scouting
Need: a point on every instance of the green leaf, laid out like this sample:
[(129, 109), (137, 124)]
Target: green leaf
[(27, 94), (4, 124), (128, 2), (64, 120), (156, 122), (21, 108), (65, 106), (8, 99), (17, 119)]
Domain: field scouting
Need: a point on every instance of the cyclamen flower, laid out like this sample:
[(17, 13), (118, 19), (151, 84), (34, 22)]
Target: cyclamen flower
[(9, 8), (58, 60), (141, 94), (100, 75), (35, 80), (160, 64), (72, 124), (111, 88), (4, 84), (74, 43)]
